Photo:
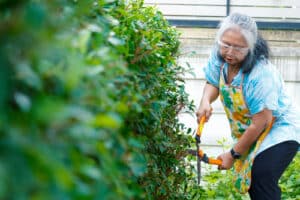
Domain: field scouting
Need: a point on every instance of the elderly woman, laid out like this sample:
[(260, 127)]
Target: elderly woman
[(264, 123)]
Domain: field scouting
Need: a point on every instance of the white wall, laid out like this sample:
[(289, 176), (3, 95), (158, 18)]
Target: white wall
[(262, 10)]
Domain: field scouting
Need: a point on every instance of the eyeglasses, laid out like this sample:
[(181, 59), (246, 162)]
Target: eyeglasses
[(226, 47)]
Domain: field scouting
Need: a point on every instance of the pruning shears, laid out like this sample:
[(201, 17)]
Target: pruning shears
[(201, 156)]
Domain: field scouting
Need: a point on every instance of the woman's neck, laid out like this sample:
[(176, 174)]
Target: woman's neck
[(233, 70)]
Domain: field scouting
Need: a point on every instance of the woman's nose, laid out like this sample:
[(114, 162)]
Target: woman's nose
[(230, 50)]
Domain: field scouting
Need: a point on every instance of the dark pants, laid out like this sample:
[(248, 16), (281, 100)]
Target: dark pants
[(268, 167)]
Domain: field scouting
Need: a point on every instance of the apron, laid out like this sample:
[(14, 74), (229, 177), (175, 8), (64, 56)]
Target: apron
[(239, 119)]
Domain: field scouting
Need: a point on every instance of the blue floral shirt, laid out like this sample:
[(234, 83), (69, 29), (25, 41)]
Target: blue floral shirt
[(263, 88)]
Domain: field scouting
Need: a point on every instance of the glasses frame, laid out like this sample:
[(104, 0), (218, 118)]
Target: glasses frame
[(226, 47)]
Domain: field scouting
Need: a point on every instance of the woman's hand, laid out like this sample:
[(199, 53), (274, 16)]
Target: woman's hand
[(227, 160), (210, 94), (204, 109)]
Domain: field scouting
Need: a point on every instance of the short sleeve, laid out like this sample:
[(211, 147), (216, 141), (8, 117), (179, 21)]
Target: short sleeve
[(263, 89), (212, 69)]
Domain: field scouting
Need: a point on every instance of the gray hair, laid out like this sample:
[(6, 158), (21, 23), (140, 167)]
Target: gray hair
[(245, 24), (258, 47)]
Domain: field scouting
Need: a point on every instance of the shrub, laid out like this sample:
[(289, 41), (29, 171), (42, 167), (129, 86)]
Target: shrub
[(90, 92), (218, 184), (290, 180)]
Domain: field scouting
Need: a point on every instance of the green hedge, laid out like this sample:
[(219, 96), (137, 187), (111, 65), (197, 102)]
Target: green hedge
[(89, 96)]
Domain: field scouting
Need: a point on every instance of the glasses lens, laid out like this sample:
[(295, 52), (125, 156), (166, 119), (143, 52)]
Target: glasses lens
[(234, 48)]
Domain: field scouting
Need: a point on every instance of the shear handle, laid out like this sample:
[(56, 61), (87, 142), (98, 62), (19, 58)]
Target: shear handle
[(208, 160)]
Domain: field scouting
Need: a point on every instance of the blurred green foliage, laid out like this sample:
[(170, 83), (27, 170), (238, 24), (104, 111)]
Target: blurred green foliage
[(89, 96), (290, 180)]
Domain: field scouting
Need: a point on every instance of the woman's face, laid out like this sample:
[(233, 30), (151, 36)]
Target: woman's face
[(233, 47)]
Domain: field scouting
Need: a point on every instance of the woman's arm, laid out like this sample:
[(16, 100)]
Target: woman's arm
[(260, 121), (209, 95)]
